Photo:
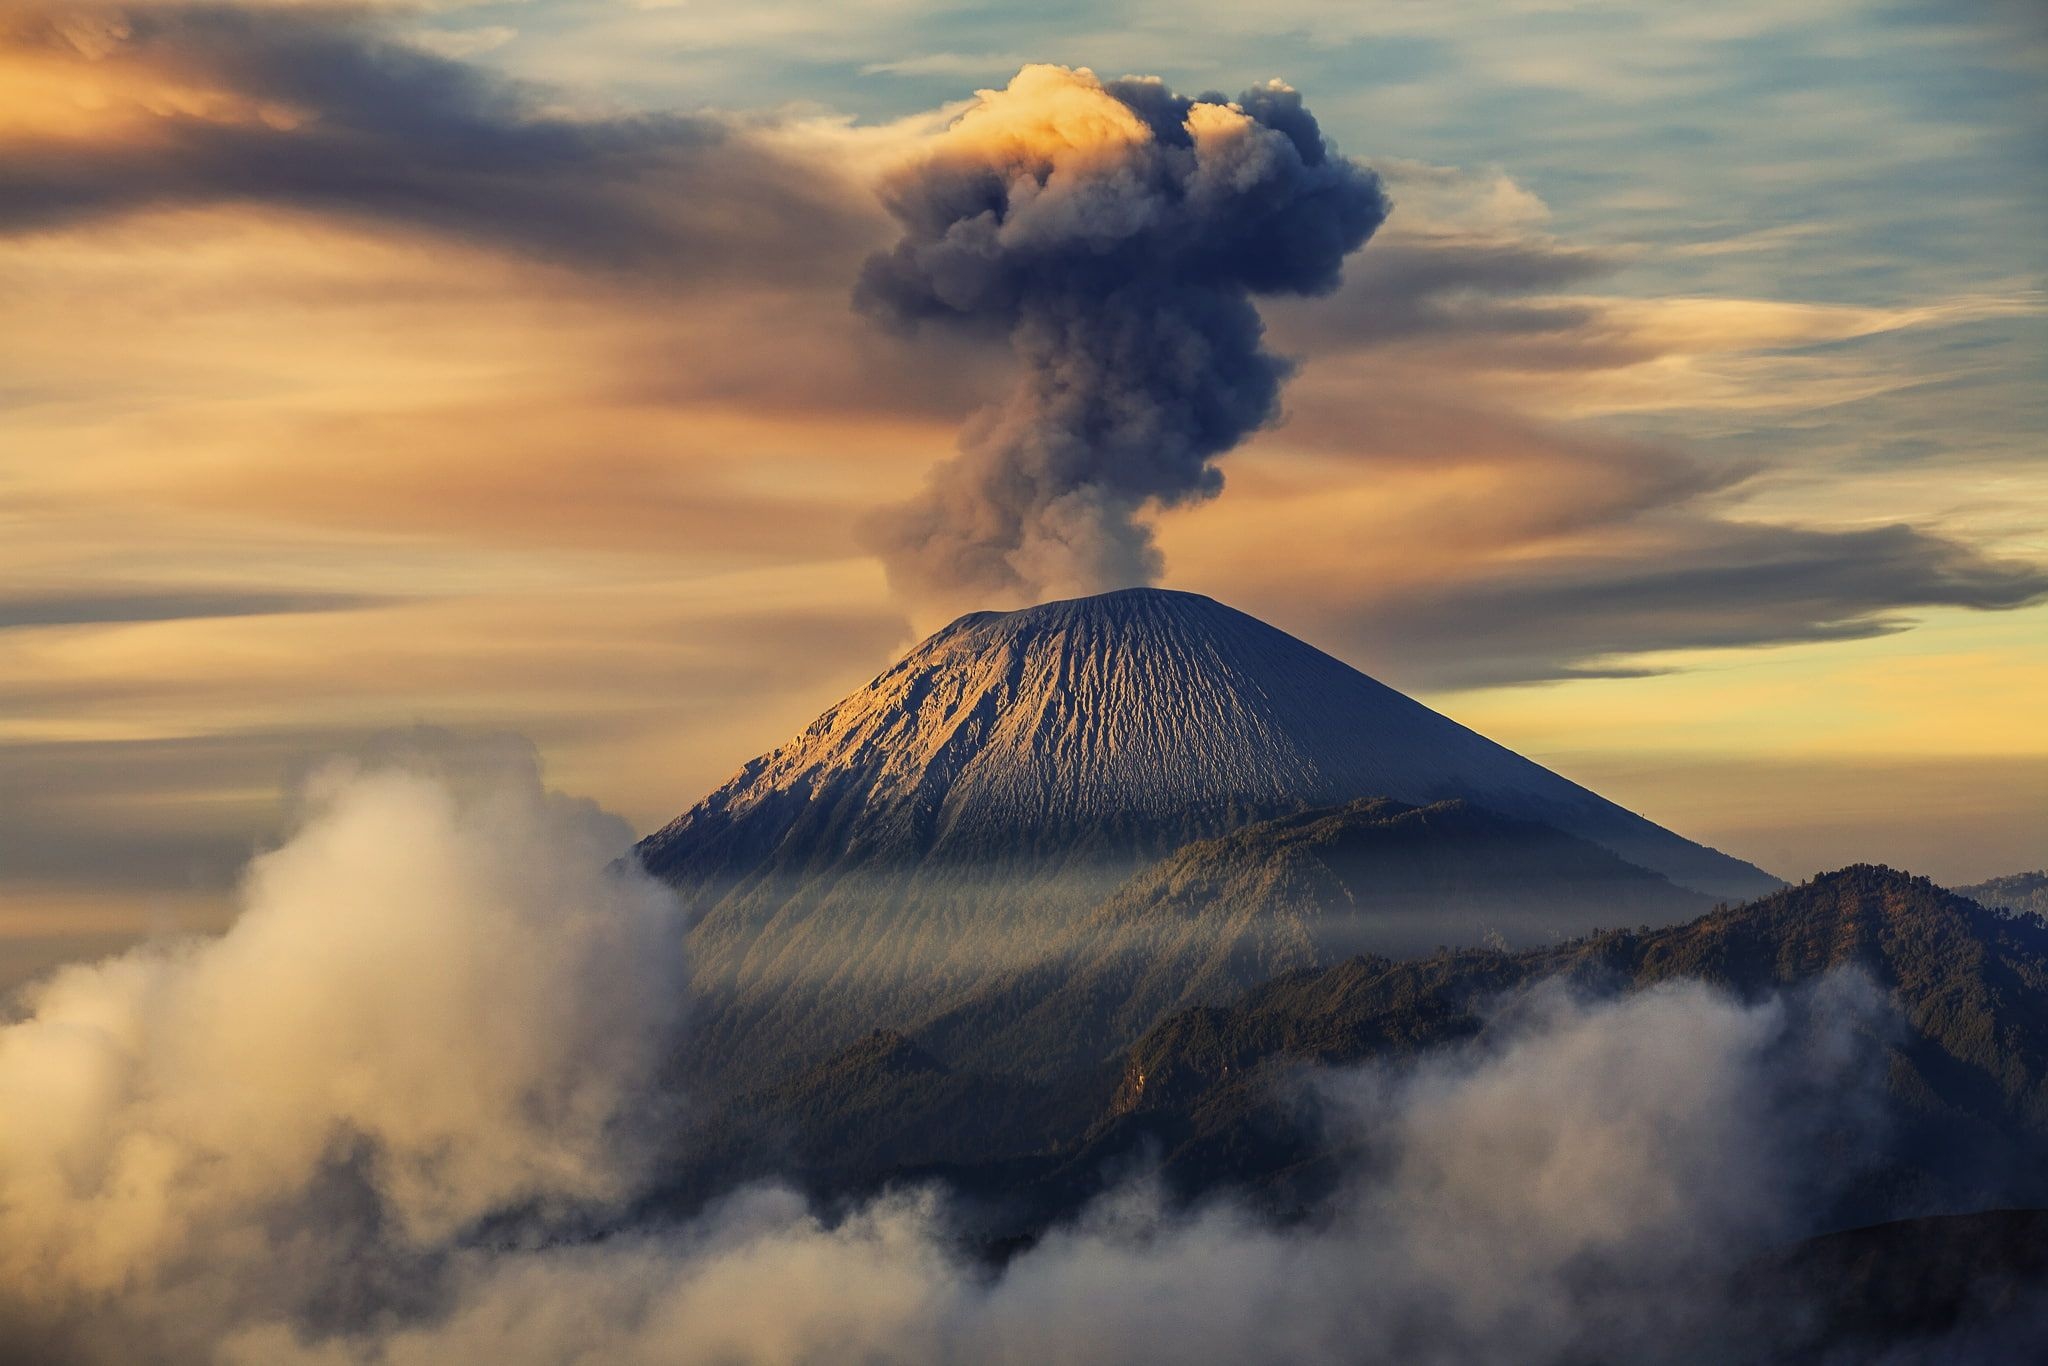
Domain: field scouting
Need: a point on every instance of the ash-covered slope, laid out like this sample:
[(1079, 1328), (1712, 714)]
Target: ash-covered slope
[(1128, 722), (948, 822)]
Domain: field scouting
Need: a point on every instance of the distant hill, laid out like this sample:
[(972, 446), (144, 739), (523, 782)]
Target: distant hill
[(1301, 891), (2016, 892), (952, 819)]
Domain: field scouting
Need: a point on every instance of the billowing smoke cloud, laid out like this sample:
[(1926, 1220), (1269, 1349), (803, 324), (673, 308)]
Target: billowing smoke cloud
[(1115, 233), (443, 1000)]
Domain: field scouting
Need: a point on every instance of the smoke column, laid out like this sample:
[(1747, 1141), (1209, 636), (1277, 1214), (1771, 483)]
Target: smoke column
[(1116, 234)]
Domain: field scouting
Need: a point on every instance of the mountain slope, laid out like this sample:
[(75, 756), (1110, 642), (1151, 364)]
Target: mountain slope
[(948, 822), (1969, 1076), (1299, 891)]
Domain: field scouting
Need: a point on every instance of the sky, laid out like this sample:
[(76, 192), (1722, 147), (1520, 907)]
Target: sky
[(497, 367)]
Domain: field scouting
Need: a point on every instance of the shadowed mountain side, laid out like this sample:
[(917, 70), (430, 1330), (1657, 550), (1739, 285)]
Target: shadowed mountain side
[(1301, 891), (1212, 1095), (948, 822), (1947, 1288), (1968, 1074)]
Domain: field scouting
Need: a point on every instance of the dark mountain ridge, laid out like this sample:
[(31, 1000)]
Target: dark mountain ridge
[(1207, 1094), (1967, 1077)]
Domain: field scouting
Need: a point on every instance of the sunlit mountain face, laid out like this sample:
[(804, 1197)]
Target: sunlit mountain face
[(1366, 556)]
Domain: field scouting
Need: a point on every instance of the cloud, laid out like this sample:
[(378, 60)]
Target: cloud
[(324, 110), (1467, 291), (400, 1112), (1115, 234), (1707, 584), (1459, 547), (1459, 259), (99, 606), (1576, 1186), (122, 783), (444, 998), (464, 42), (1970, 816), (1467, 536), (948, 64)]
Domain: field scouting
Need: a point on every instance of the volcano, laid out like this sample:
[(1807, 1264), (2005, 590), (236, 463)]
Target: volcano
[(951, 819), (1130, 721)]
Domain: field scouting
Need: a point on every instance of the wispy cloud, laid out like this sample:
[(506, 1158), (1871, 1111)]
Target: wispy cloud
[(328, 112), (102, 605)]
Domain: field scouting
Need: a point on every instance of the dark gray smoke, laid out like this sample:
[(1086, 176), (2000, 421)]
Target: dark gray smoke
[(1116, 235)]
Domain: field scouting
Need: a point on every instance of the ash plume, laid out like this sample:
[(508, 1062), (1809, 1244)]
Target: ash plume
[(1115, 233)]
